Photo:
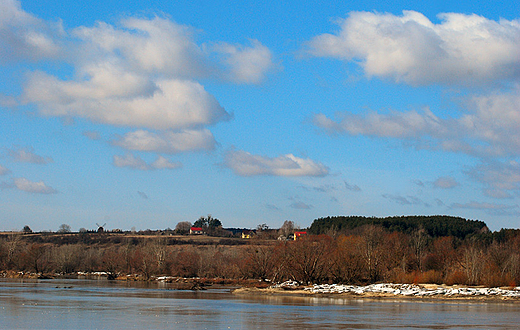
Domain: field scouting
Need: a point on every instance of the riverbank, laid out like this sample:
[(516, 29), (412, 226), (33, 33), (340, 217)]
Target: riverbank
[(389, 290), (292, 288), (173, 282)]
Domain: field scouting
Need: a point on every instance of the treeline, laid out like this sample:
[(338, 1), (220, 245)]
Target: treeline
[(93, 238), (366, 254), (435, 226)]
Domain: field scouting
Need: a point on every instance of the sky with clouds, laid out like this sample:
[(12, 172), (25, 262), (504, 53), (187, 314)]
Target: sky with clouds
[(143, 114)]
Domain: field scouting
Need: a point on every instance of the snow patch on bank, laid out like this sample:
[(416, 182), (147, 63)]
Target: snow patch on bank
[(409, 290)]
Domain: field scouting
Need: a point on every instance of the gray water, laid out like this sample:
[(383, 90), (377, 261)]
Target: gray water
[(91, 304)]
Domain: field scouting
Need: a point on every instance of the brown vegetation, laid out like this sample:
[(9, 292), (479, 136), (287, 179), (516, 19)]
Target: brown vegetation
[(367, 255)]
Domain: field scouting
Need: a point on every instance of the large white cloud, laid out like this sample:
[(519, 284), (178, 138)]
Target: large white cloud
[(173, 104), (466, 49), (168, 141), (141, 73), (245, 164), (155, 45), (25, 37)]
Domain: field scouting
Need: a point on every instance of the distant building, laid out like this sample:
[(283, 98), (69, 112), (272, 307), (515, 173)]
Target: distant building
[(247, 234), (299, 234), (196, 231)]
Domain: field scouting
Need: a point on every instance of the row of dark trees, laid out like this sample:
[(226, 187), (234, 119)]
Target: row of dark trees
[(435, 226), (365, 254)]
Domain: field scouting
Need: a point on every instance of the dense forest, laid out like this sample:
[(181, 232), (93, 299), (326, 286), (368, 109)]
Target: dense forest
[(348, 250), (435, 226)]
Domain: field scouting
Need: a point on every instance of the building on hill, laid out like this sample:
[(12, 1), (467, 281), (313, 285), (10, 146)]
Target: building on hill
[(196, 231), (299, 234)]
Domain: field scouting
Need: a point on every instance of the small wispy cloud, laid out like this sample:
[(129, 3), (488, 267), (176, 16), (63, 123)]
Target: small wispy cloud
[(168, 142), (351, 187), (93, 135), (272, 207), (26, 185), (445, 182), (490, 208), (4, 170), (27, 155), (500, 179), (300, 206), (136, 162), (245, 164), (405, 200)]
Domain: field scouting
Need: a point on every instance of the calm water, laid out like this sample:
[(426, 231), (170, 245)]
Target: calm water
[(87, 304)]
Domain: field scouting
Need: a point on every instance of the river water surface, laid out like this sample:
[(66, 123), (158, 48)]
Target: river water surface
[(101, 304)]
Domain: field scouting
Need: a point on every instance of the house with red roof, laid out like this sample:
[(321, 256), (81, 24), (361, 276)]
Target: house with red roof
[(196, 231), (299, 234)]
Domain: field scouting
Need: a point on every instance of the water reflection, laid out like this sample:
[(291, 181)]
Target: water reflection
[(82, 304)]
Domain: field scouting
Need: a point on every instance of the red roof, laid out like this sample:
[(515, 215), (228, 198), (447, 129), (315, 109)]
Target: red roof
[(196, 228), (299, 233)]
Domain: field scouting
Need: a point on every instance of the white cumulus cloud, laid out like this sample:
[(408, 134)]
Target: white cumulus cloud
[(461, 49), (174, 104), (247, 64), (155, 45), (141, 72), (24, 36), (245, 164)]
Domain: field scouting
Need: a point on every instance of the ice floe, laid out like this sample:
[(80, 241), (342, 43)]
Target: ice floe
[(408, 290)]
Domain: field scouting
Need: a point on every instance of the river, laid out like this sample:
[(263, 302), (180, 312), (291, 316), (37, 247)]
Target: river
[(102, 304)]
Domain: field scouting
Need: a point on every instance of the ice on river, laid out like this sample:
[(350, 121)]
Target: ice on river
[(407, 290)]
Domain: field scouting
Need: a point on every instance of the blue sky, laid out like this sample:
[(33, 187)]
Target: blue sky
[(143, 114)]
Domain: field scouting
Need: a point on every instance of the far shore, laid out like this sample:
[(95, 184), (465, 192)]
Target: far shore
[(423, 292)]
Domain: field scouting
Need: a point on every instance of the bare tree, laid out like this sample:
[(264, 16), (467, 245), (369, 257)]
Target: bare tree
[(258, 262), (12, 246), (371, 250), (183, 228), (64, 228), (419, 241), (287, 228), (308, 259), (473, 263)]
